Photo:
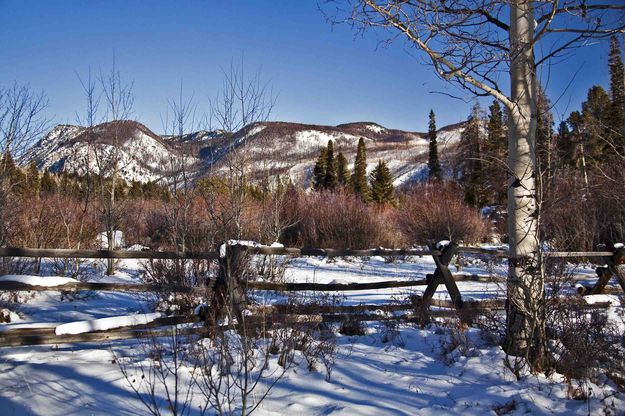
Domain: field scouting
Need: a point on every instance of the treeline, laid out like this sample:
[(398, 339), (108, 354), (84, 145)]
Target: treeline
[(31, 181), (333, 174), (580, 163)]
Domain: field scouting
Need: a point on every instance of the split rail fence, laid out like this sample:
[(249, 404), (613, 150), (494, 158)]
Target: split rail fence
[(441, 254)]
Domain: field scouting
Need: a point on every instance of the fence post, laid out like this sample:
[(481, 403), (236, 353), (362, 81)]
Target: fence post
[(611, 269), (443, 275), (228, 296)]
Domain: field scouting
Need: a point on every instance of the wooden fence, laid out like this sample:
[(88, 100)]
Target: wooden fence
[(442, 256)]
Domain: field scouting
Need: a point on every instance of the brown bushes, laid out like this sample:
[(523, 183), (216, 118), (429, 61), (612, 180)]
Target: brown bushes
[(437, 211), (576, 217), (340, 220), (205, 217), (50, 221)]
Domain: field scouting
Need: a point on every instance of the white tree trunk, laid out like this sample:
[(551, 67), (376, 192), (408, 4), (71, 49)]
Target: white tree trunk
[(525, 280)]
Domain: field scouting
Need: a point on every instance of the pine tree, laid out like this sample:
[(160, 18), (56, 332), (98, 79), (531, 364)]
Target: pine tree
[(342, 171), (469, 170), (494, 156), (578, 151), (7, 164), (382, 189), (16, 179), (616, 118), (359, 177), (544, 138), (48, 184), (32, 179), (319, 171), (136, 190), (434, 167), (565, 147), (65, 184), (330, 179), (595, 132)]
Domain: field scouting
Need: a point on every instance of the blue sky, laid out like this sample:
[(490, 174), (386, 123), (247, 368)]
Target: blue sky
[(321, 74)]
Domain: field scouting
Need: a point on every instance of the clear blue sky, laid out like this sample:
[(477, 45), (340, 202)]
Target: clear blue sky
[(322, 75)]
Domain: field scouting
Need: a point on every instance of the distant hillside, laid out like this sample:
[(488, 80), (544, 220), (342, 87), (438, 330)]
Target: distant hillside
[(288, 149)]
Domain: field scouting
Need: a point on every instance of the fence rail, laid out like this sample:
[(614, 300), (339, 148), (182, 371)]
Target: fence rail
[(103, 254), (442, 256)]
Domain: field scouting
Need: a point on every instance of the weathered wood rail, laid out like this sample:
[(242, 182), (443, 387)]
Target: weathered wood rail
[(441, 255), (103, 254)]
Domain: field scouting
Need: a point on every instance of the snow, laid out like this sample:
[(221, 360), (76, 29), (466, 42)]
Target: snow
[(118, 240), (30, 325), (141, 158), (314, 139), (612, 299), (103, 324), (47, 281), (442, 244), (375, 128), (448, 137), (436, 370), (247, 243)]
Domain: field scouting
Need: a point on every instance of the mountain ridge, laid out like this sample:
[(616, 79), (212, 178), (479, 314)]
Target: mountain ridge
[(285, 148)]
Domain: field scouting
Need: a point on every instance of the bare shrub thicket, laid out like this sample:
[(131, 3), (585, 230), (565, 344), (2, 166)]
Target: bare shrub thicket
[(585, 341), (437, 211), (577, 217), (51, 221), (339, 220), (234, 368), (566, 225)]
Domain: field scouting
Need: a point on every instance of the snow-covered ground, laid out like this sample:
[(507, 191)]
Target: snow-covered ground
[(438, 370)]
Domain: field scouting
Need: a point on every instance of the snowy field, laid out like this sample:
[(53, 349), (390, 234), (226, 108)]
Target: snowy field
[(417, 371)]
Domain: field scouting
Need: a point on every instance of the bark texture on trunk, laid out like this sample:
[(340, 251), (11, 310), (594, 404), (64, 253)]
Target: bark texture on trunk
[(525, 323)]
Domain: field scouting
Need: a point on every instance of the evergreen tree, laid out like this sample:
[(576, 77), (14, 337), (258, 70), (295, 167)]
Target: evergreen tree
[(469, 170), (16, 179), (595, 132), (382, 189), (434, 167), (48, 184), (136, 190), (565, 147), (65, 184), (616, 118), (544, 138), (576, 150), (342, 171), (359, 177), (7, 165), (494, 155), (319, 171), (32, 179), (330, 179)]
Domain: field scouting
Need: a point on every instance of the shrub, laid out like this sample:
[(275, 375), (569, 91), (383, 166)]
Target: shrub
[(438, 211), (339, 220), (578, 218), (569, 218)]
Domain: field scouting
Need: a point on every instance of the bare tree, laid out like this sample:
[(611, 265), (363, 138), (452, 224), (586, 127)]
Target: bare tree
[(478, 45), (104, 154), (180, 121), (22, 120), (242, 103)]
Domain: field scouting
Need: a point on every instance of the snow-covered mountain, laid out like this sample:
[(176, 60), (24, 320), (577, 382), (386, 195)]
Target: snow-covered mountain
[(141, 155), (291, 149), (287, 149)]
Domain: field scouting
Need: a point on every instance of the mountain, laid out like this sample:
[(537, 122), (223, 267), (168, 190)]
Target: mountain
[(142, 155), (291, 149), (287, 149)]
